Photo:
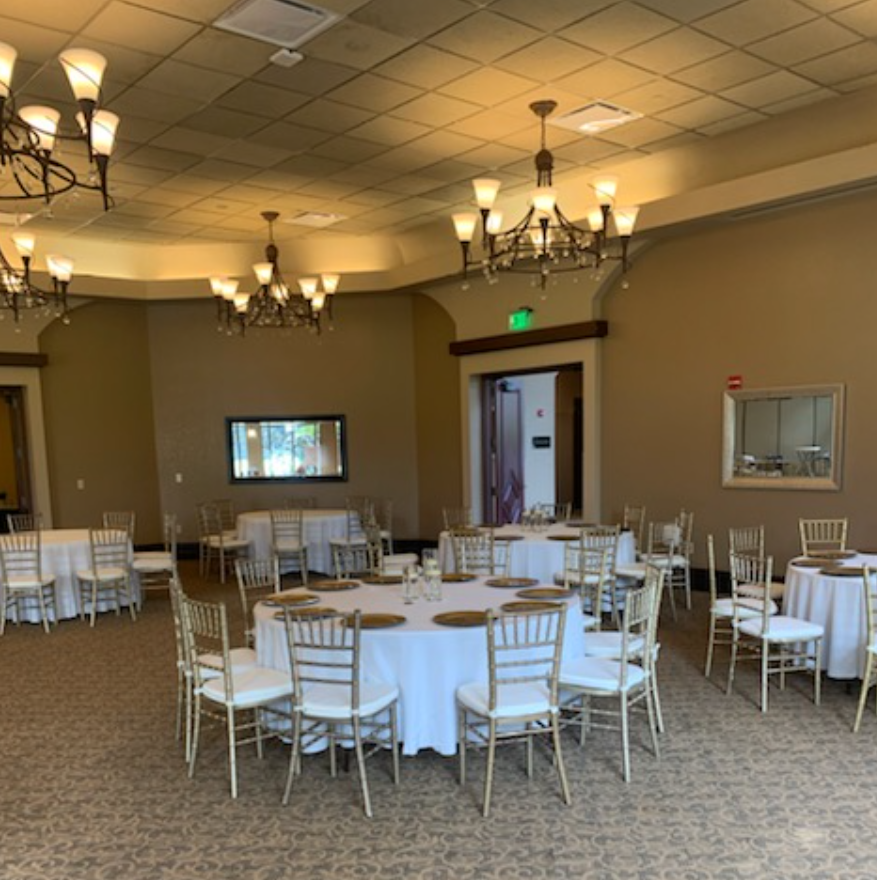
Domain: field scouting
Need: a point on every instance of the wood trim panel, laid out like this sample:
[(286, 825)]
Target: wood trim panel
[(22, 359), (542, 336)]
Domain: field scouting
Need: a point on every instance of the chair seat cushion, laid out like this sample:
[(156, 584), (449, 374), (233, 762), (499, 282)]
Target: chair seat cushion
[(288, 545), (396, 563), (608, 644), (251, 688), (242, 659), (333, 701), (756, 591), (747, 608), (513, 700), (227, 543), (344, 542), (572, 577), (599, 674), (635, 570), (110, 573), (24, 582), (150, 561), (783, 629), (590, 621)]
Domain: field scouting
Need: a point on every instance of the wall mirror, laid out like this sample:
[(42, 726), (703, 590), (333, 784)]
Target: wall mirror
[(287, 449), (784, 438)]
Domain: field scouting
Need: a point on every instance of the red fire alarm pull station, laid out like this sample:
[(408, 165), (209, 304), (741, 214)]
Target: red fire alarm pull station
[(735, 383)]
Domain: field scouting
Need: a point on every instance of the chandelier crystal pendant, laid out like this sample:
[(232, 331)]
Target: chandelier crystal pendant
[(545, 240), (28, 135), (274, 304), (19, 293)]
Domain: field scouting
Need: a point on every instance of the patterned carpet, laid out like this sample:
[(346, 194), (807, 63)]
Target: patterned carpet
[(93, 785)]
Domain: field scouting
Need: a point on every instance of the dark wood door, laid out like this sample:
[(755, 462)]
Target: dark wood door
[(14, 463)]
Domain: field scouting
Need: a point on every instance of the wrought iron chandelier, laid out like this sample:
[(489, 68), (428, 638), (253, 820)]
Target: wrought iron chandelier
[(274, 304), (545, 240), (18, 292)]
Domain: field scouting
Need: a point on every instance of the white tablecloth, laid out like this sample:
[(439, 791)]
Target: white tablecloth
[(427, 661), (537, 554), (838, 604), (319, 527), (63, 552)]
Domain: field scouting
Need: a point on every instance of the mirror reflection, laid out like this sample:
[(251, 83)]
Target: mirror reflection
[(296, 448)]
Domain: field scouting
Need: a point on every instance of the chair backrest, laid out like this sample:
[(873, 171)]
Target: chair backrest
[(685, 522), (822, 534), (588, 570), (324, 650), (205, 628), (634, 520), (557, 512), (20, 556), (639, 622), (655, 580), (356, 560), (747, 540), (225, 511), (24, 522), (208, 520), (481, 553), (870, 599), (257, 579), (457, 518), (663, 539), (120, 519), (287, 528), (711, 569), (301, 502), (383, 514), (755, 571), (600, 537), (175, 590), (525, 648), (110, 548), (169, 534)]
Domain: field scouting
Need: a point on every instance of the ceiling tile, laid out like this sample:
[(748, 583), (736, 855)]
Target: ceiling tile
[(356, 45), (154, 105), (175, 78), (328, 189), (862, 18), (605, 79), (754, 20), (195, 10), (223, 121), (199, 218), (488, 86), (411, 184), (218, 169), (701, 112), (435, 110), (802, 43), (683, 139), (676, 50), (770, 89), (426, 66), (390, 131), (308, 166), (139, 28), (312, 76), (265, 100), (618, 27), (790, 104), (856, 61), (364, 176), (549, 59), (724, 72), (186, 140), (164, 160), (375, 93), (587, 151), (37, 44), (170, 197), (348, 149), (640, 133), (549, 17), (733, 122), (491, 124), (64, 16), (495, 155), (124, 172), (655, 96), (329, 116), (223, 205), (407, 19), (142, 209), (485, 37), (225, 52), (289, 137), (192, 183), (252, 195), (687, 10), (828, 5), (124, 66)]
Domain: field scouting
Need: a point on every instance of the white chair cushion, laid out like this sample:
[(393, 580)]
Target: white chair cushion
[(150, 561), (590, 621), (599, 674), (635, 570), (746, 608), (110, 573), (242, 660), (396, 563), (288, 545), (333, 701), (573, 578), (343, 542), (230, 543), (513, 700), (756, 591), (28, 582), (251, 688), (608, 644), (783, 629)]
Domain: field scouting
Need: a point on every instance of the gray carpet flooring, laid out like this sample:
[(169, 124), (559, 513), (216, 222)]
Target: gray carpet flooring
[(93, 784)]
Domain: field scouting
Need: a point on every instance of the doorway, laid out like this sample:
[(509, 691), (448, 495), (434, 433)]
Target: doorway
[(15, 491), (532, 441)]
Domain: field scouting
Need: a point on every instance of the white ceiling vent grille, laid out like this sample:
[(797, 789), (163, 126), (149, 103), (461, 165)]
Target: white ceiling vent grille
[(595, 117), (281, 22), (314, 219)]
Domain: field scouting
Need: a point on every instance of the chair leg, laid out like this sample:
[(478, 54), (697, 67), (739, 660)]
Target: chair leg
[(461, 743), (817, 674), (528, 727), (303, 564), (625, 738), (863, 697), (711, 639), (232, 750), (196, 736), (656, 696), (394, 743), (488, 775), (360, 763), (294, 756), (765, 667), (653, 726), (687, 571), (735, 637), (558, 759)]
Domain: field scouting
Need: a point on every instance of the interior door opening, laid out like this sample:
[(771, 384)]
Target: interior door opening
[(15, 492)]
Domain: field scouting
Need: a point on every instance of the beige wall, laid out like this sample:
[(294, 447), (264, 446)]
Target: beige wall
[(787, 299), (363, 369), (98, 411)]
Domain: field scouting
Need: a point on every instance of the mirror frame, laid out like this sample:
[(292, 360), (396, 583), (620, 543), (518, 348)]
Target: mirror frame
[(231, 421), (829, 483)]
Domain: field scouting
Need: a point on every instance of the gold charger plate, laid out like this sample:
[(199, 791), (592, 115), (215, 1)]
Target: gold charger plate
[(280, 600), (528, 606), (810, 562), (508, 583), (577, 524), (314, 612), (849, 571), (461, 618), (563, 537), (383, 579), (837, 554), (508, 538), (376, 620), (460, 577), (546, 593), (333, 586)]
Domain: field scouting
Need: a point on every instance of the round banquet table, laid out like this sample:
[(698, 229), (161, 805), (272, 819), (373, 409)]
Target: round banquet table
[(320, 526), (63, 552), (537, 554), (426, 660), (838, 604)]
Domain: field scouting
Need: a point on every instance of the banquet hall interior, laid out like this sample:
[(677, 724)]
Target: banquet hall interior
[(745, 131)]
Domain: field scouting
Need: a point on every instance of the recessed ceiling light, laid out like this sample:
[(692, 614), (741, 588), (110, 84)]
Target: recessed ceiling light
[(596, 117)]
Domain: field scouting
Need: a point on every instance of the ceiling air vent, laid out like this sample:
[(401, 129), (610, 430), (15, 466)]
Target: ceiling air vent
[(595, 117), (315, 219), (281, 22)]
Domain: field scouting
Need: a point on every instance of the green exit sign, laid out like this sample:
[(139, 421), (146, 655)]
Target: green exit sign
[(521, 319)]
